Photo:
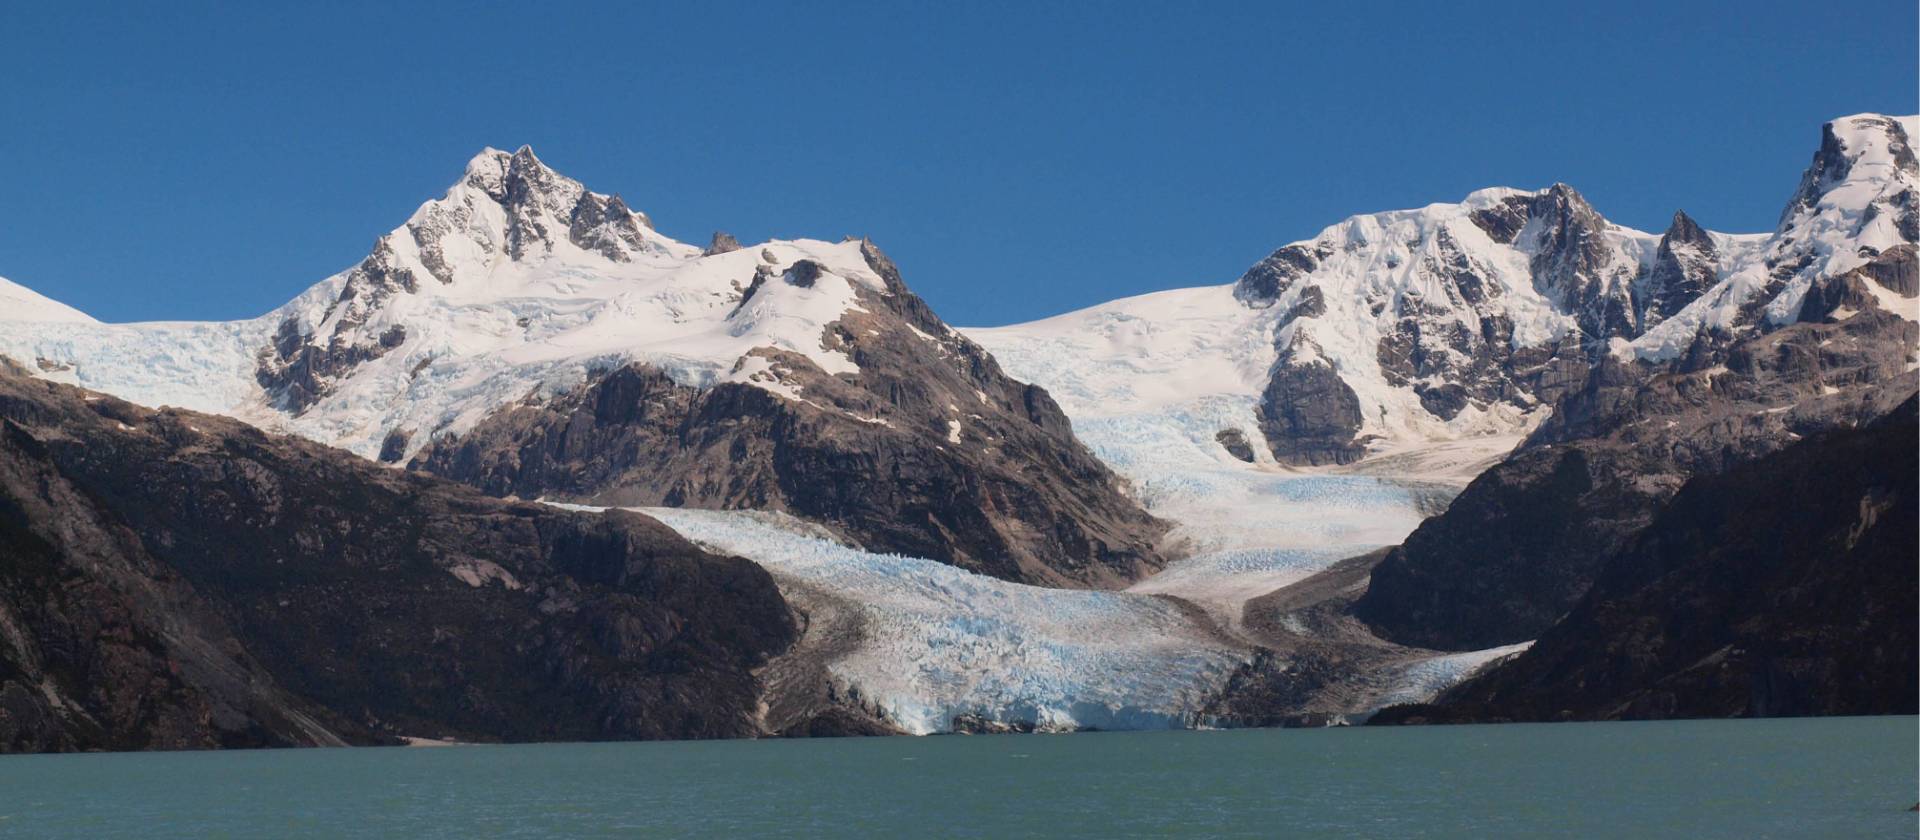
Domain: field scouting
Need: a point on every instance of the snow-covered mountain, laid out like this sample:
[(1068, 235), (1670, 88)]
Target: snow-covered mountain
[(530, 337), (494, 332), (1459, 320), (1444, 322), (518, 281), (1428, 343)]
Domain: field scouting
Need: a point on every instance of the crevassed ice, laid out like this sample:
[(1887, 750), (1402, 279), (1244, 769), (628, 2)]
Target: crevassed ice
[(943, 642)]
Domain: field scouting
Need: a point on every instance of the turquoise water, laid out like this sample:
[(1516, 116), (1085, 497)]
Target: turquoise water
[(1845, 777)]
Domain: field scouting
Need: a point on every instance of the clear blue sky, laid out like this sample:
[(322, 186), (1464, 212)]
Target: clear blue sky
[(1017, 160)]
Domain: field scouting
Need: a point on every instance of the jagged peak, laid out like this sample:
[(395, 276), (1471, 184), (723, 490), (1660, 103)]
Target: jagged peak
[(1558, 218), (542, 207), (1877, 145), (1859, 133), (1684, 229), (520, 178), (722, 243), (1506, 214), (1562, 201)]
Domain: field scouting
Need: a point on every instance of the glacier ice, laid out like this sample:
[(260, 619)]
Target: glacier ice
[(941, 642), (1148, 382)]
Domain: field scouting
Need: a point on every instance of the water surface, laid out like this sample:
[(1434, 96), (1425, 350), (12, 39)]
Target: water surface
[(1840, 777)]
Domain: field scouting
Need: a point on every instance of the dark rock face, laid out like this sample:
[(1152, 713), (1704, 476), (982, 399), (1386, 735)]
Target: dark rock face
[(1684, 266), (1235, 442), (1520, 546), (177, 580), (1268, 279), (1503, 221), (723, 243), (1444, 401), (297, 372), (606, 226), (1571, 264), (1830, 166), (929, 451), (1309, 415), (394, 446), (1783, 587), (1838, 298), (1525, 540), (1896, 269), (1312, 303), (803, 274)]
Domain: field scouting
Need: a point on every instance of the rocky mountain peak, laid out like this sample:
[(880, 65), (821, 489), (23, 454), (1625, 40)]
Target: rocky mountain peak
[(539, 204), (1574, 265), (1268, 279), (1563, 208), (1685, 265), (1857, 206), (722, 243), (1561, 225), (1559, 211), (1873, 140), (1683, 229), (528, 182), (507, 209)]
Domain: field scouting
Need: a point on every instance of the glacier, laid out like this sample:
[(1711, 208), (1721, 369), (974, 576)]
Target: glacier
[(939, 642), (1149, 383)]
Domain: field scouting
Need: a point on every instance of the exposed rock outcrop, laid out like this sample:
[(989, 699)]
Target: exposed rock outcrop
[(177, 580), (1685, 265), (541, 210), (1785, 586), (1523, 542), (1816, 343), (722, 243), (1267, 280), (1310, 415), (1235, 442), (1470, 318), (1574, 265), (929, 451)]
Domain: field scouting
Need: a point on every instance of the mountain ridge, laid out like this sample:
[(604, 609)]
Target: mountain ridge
[(1299, 469), (519, 291), (1455, 320), (1784, 587), (185, 581)]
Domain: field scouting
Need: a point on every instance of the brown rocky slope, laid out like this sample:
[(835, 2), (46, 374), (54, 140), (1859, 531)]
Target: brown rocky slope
[(929, 451), (1783, 587), (175, 580)]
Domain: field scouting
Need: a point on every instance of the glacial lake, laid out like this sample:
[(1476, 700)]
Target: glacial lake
[(1839, 777)]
